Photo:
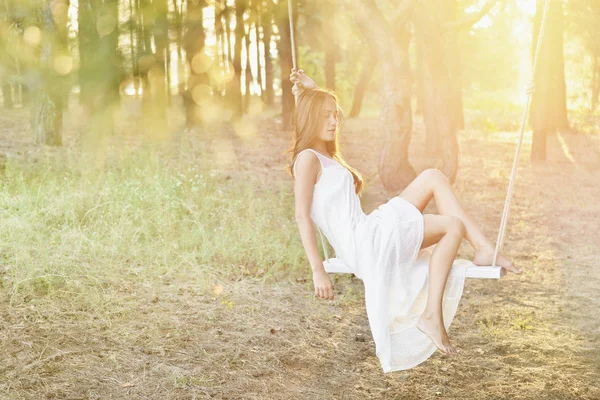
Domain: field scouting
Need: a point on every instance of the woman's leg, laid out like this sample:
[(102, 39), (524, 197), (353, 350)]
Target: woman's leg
[(432, 183), (448, 232)]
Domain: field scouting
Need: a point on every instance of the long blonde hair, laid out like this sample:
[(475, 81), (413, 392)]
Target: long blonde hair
[(308, 123)]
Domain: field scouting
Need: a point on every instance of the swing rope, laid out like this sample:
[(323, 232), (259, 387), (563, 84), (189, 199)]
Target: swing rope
[(294, 64), (502, 230), (513, 174)]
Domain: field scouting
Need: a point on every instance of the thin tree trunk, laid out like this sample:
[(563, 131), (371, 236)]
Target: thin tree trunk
[(132, 39), (248, 71), (452, 50), (235, 89), (88, 41), (50, 98), (100, 72), (394, 168), (24, 94), (221, 43), (145, 34), (230, 46), (559, 106), (257, 24), (330, 60), (330, 38), (439, 113), (158, 80), (548, 103), (391, 42), (285, 61), (7, 95), (194, 43), (178, 26), (7, 61), (168, 74), (365, 76), (267, 25)]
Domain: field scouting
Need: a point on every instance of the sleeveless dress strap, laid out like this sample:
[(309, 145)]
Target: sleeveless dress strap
[(311, 150)]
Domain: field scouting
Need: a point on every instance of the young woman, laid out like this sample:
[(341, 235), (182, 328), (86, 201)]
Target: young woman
[(405, 300)]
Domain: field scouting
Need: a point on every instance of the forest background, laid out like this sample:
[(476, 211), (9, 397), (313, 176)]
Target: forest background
[(148, 247)]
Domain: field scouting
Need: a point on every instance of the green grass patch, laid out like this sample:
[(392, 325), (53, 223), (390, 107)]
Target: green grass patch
[(85, 232)]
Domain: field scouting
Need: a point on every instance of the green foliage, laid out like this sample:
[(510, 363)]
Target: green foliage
[(490, 52), (493, 111)]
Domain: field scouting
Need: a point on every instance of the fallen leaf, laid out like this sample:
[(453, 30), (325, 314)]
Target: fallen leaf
[(217, 289)]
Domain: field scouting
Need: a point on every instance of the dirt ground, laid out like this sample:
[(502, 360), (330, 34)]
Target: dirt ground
[(534, 336)]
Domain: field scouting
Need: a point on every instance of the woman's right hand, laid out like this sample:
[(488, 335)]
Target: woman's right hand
[(300, 79), (323, 286)]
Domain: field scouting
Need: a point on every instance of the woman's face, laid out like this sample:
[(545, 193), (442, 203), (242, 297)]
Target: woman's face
[(329, 118)]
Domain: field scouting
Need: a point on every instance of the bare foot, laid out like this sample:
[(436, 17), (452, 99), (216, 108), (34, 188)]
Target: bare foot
[(485, 256), (434, 328)]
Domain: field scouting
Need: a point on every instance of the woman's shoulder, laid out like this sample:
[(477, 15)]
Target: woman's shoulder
[(307, 154), (305, 158)]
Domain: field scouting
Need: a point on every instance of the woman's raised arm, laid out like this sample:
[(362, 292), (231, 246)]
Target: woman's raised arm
[(301, 82)]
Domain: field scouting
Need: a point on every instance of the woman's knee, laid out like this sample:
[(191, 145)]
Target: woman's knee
[(455, 226), (433, 175)]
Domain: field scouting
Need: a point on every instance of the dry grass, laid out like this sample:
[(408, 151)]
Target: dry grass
[(150, 320)]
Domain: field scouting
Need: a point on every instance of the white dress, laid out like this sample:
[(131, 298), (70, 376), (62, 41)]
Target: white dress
[(382, 249)]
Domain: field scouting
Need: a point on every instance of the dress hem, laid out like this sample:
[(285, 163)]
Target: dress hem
[(458, 296)]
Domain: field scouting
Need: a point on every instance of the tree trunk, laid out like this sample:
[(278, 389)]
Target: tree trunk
[(88, 42), (51, 96), (267, 25), (439, 112), (7, 95), (157, 78), (548, 104), (132, 44), (235, 89), (7, 60), (178, 22), (330, 60), (247, 70), (391, 42), (257, 25), (452, 50), (193, 43), (100, 72), (394, 168), (329, 31), (221, 50), (230, 47), (363, 82), (285, 61), (147, 61)]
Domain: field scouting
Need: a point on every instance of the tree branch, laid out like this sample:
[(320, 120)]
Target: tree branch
[(403, 10), (373, 23), (470, 19)]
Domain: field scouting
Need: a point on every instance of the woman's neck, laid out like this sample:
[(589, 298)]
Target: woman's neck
[(322, 150)]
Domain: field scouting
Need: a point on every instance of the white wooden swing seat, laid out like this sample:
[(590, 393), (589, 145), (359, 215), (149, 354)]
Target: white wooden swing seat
[(337, 266)]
